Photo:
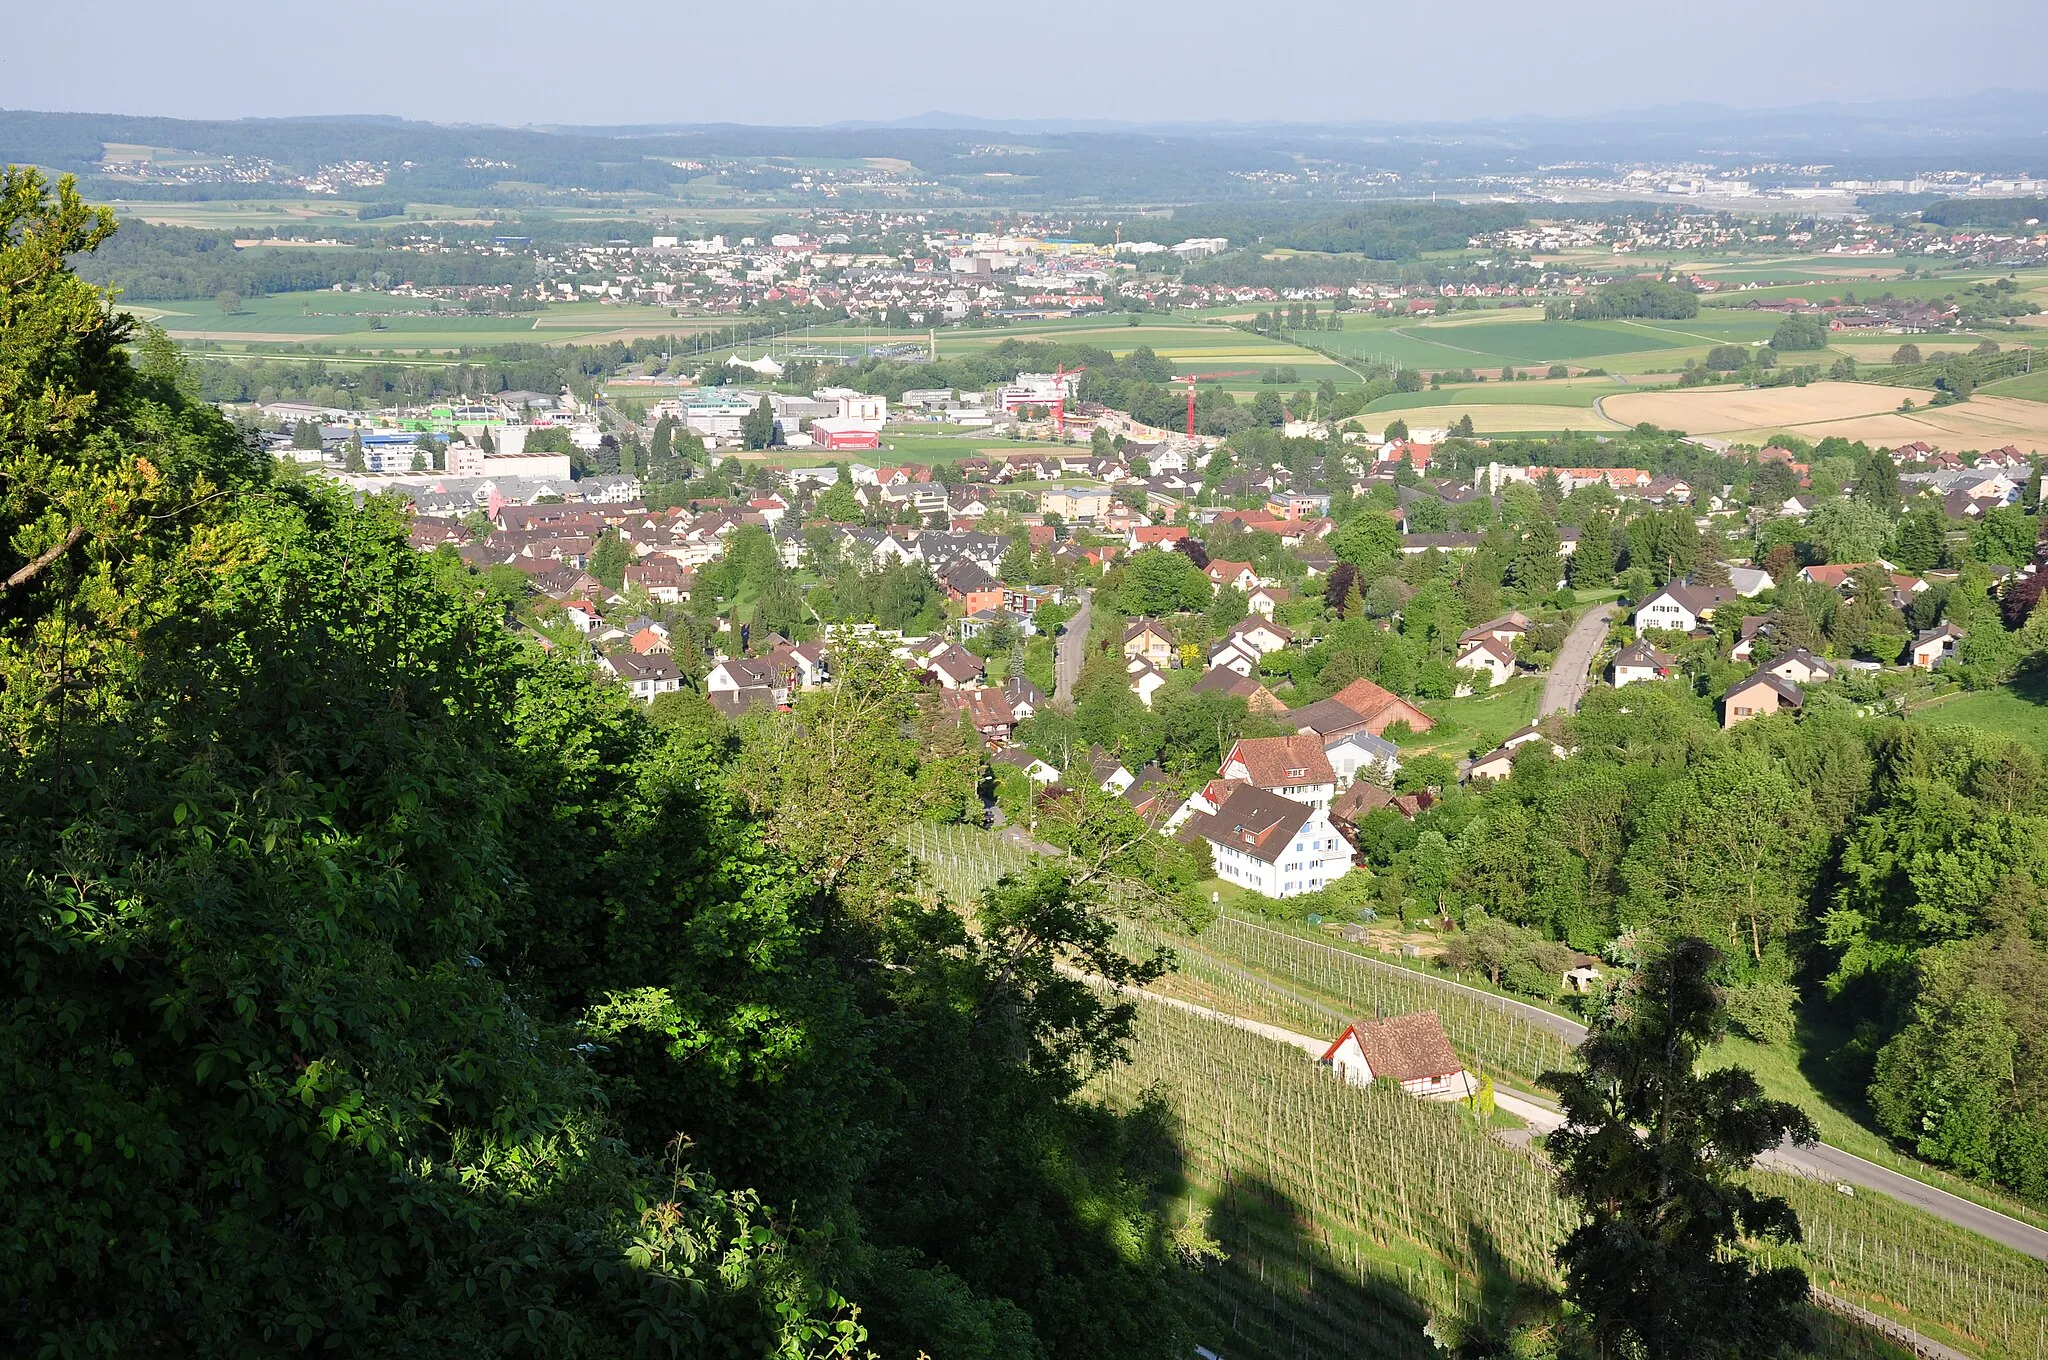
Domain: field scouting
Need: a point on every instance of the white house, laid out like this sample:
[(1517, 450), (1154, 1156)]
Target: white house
[(1261, 634), (1749, 582), (1801, 667), (1234, 656), (1145, 680), (1265, 600), (1270, 843), (1490, 655), (1641, 661), (1409, 1049), (1935, 646), (1680, 606), (644, 676), (1359, 755)]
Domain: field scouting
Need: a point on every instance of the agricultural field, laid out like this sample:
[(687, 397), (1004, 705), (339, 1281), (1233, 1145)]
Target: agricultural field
[(1521, 337), (1862, 411), (378, 321), (1232, 357), (2026, 387)]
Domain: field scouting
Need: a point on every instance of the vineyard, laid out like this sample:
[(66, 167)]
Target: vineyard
[(1354, 1221), (1305, 985), (1367, 1222), (961, 861), (1351, 1218)]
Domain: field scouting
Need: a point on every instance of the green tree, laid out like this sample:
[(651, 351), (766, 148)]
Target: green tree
[(1800, 332), (1849, 531), (2006, 535), (228, 301), (1723, 854), (1943, 1085), (1877, 483), (306, 435), (1652, 1151), (757, 427), (1591, 565), (609, 558), (1921, 540), (1368, 540), (1154, 583)]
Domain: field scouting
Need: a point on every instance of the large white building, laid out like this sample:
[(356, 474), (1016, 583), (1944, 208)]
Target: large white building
[(1270, 843)]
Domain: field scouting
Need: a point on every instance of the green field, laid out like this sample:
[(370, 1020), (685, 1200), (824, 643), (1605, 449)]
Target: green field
[(2032, 386), (1575, 392), (1477, 722), (366, 321), (2018, 711)]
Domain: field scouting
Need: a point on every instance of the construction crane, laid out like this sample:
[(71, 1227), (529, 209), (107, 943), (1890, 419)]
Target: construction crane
[(1192, 378)]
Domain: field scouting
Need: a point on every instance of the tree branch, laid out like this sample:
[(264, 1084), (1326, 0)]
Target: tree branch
[(41, 564)]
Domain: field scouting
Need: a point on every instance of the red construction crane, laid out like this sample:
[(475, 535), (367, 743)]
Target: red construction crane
[(1192, 378), (1059, 399)]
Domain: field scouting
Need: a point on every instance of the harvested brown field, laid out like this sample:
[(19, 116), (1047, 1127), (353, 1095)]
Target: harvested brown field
[(1862, 411)]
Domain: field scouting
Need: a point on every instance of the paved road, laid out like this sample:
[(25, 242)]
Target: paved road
[(1572, 671), (1068, 650), (1821, 1161)]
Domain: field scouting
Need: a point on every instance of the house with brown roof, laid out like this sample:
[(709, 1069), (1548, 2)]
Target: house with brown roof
[(1261, 635), (1504, 629), (1269, 843), (663, 578), (1758, 695), (1375, 710), (1490, 655), (1265, 601), (1801, 667), (986, 709), (1409, 1049), (1640, 661), (1248, 688), (1145, 679), (643, 676), (1680, 606), (1363, 799), (1149, 640), (1934, 646), (1295, 767), (1223, 574)]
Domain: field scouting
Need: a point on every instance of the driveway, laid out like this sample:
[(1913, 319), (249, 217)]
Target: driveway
[(1569, 675), (1069, 649)]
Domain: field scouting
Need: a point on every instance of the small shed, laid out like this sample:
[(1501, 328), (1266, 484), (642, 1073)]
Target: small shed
[(1409, 1049)]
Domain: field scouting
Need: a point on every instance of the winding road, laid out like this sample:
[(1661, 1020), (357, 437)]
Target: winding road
[(1565, 686)]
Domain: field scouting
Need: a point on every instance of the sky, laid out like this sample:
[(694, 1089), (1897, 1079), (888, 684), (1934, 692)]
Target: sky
[(805, 62)]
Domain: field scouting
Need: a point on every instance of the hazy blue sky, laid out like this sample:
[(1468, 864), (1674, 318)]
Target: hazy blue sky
[(801, 61)]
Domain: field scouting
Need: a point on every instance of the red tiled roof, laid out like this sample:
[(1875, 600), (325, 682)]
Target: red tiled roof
[(1283, 762), (1403, 1047)]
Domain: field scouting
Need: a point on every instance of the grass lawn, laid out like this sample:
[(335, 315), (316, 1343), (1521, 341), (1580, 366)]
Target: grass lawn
[(2018, 710), (1477, 722)]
